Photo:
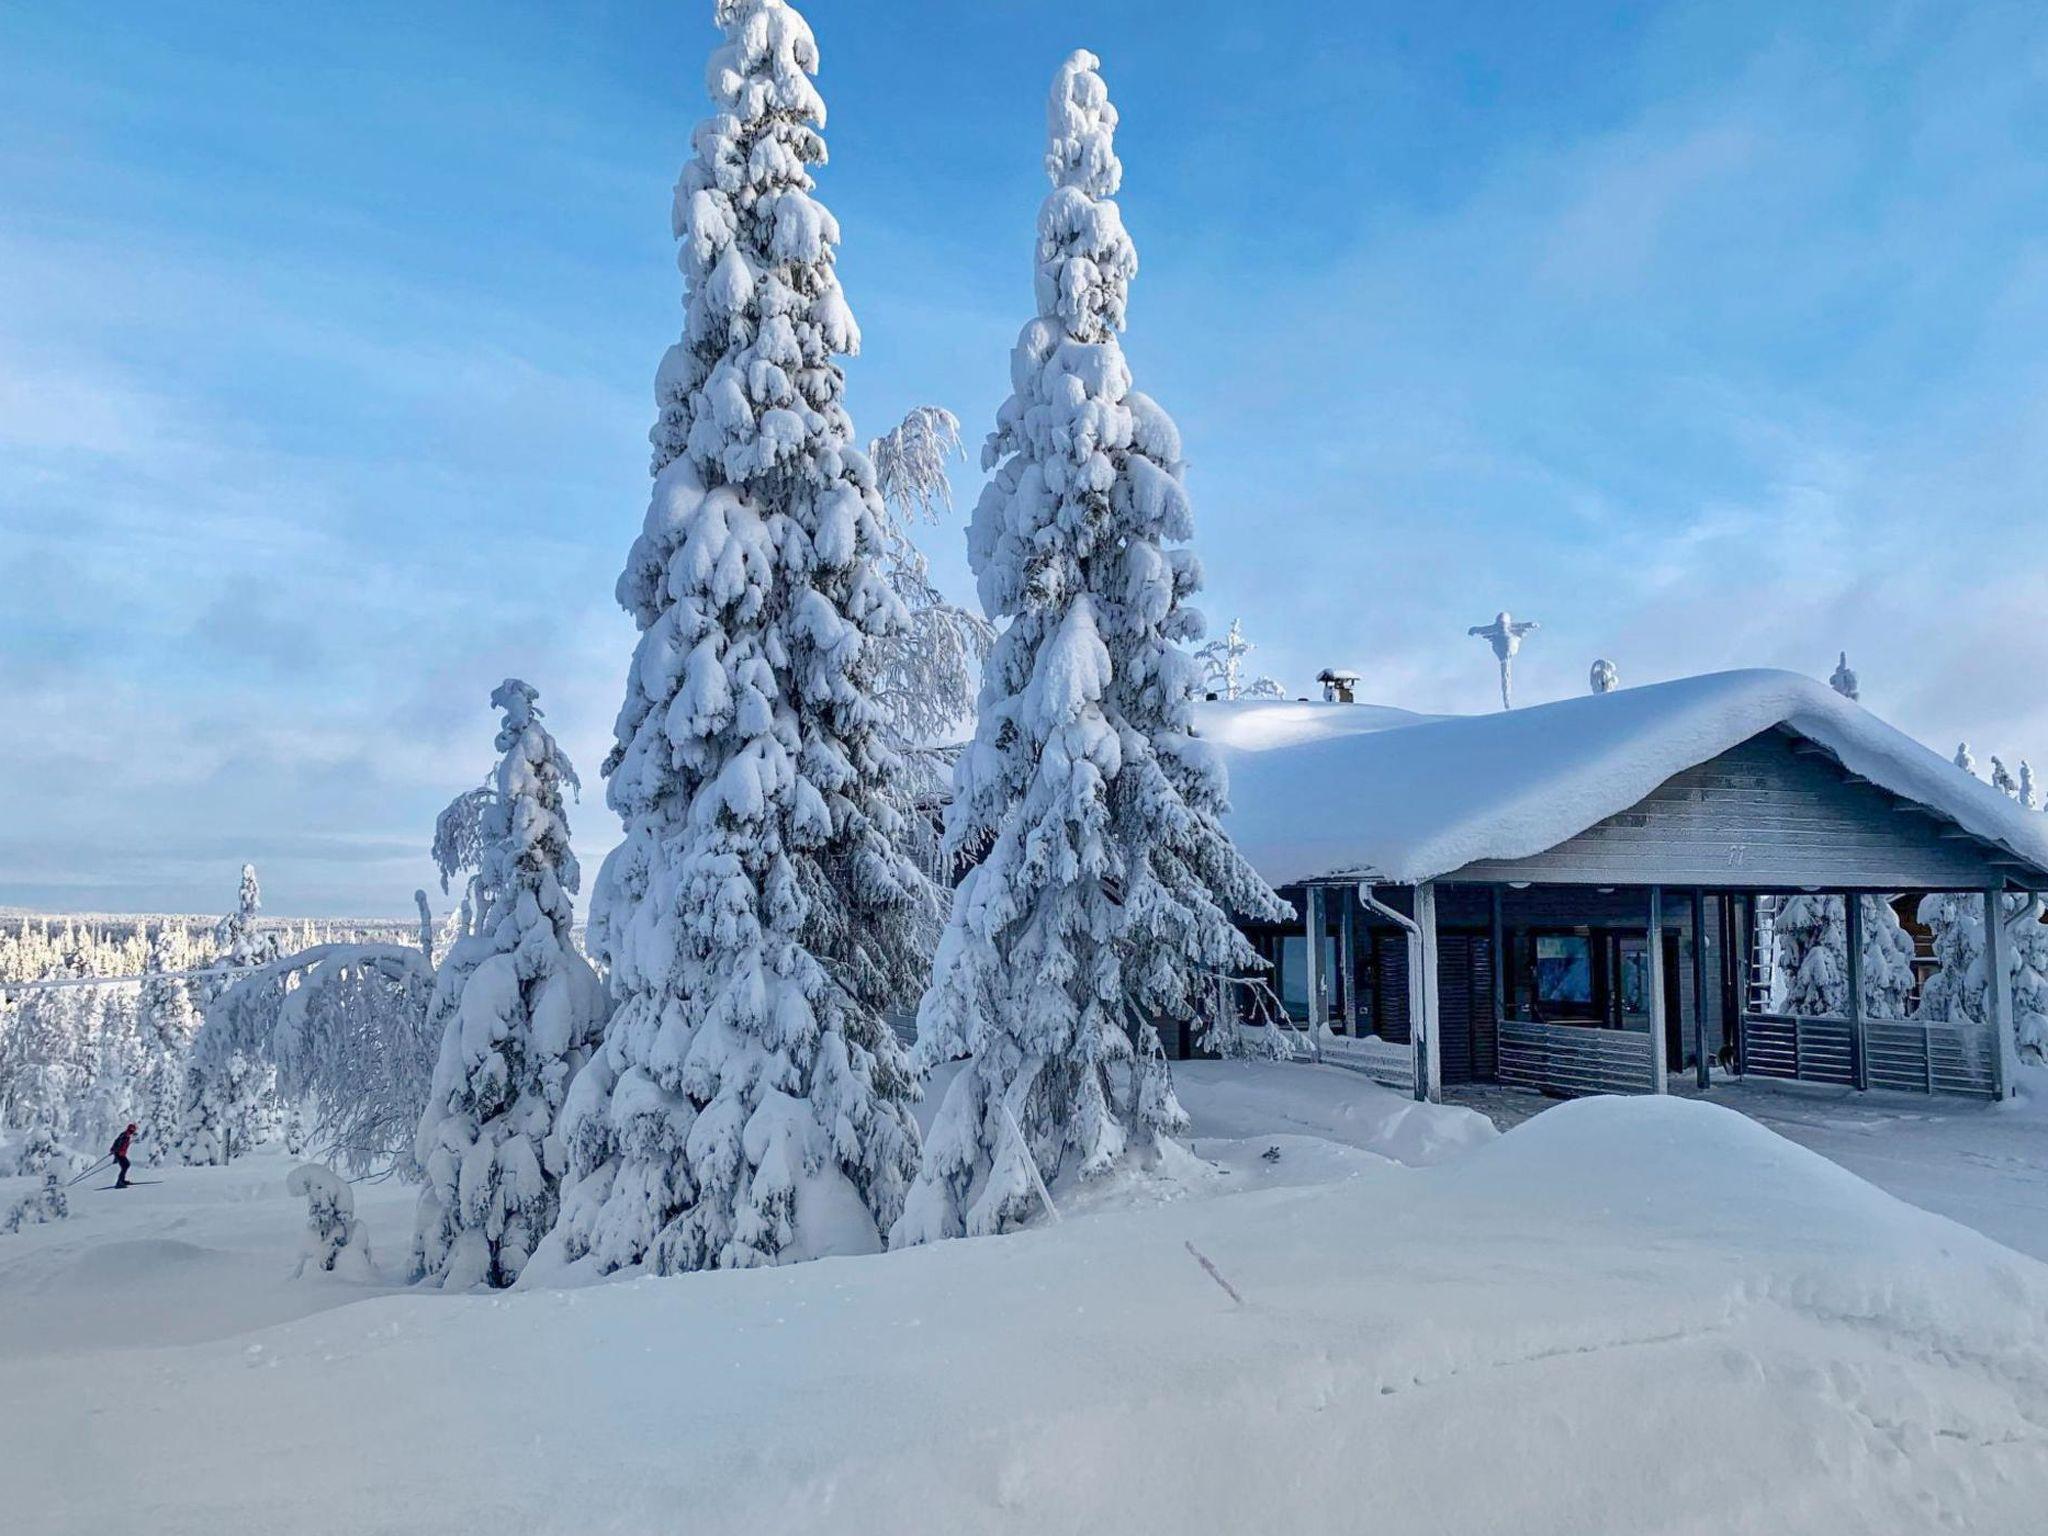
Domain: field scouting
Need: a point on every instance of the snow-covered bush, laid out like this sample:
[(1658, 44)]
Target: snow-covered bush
[(751, 1104), (38, 1151), (1104, 896), (334, 1239), (49, 1203), (518, 1011)]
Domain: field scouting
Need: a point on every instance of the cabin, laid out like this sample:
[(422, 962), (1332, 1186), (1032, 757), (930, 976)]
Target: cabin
[(1577, 897)]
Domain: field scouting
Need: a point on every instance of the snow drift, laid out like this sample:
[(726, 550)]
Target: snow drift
[(1628, 1315)]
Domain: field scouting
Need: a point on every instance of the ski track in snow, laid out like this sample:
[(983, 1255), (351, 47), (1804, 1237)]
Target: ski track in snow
[(1623, 1315)]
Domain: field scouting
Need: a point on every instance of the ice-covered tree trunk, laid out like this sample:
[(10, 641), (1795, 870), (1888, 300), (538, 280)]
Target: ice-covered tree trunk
[(518, 1011), (1104, 895), (750, 1104)]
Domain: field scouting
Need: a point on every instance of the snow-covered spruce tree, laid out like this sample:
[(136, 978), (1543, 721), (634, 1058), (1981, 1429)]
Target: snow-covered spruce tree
[(751, 1105), (1104, 896), (168, 1027), (1887, 961), (1223, 669), (519, 1011), (1813, 956), (1843, 679), (332, 1232)]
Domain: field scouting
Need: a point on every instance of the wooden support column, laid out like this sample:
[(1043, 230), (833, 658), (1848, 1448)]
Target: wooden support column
[(1699, 990), (2005, 1062), (1318, 981), (1500, 969), (1347, 958), (1423, 1006), (1659, 1063), (1859, 1059)]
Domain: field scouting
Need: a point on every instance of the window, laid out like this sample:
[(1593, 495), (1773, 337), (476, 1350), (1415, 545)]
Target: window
[(1564, 970), (1294, 973)]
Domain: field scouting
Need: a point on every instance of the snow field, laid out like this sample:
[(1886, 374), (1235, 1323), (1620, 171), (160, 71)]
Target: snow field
[(1624, 1315)]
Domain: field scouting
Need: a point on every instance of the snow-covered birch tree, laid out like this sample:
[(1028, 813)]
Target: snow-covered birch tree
[(519, 1010), (1223, 668), (925, 674), (750, 1104), (1104, 894)]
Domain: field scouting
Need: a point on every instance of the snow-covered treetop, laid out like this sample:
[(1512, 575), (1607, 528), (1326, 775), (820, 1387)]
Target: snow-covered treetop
[(1965, 760), (744, 392), (1605, 676), (1085, 259)]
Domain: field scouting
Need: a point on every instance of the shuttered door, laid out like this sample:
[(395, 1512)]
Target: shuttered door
[(1465, 998), (1390, 989), (1470, 1047)]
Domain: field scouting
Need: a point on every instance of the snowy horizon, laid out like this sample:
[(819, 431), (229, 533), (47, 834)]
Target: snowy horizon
[(1705, 336)]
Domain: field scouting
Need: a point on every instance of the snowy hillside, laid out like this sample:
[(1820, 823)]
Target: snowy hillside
[(1641, 1314)]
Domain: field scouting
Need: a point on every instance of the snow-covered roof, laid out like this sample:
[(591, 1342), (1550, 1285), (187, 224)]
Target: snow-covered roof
[(1357, 789)]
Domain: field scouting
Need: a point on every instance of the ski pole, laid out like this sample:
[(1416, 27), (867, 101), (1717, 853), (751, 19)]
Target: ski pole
[(95, 1168)]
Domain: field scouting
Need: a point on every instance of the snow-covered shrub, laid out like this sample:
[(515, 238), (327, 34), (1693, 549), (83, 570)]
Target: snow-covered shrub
[(1103, 900), (39, 1151), (751, 1103), (334, 1239), (518, 1011), (49, 1203)]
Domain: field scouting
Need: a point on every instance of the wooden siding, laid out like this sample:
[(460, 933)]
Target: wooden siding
[(1760, 815)]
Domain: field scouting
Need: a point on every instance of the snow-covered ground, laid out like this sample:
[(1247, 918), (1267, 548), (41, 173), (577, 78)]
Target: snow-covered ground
[(1623, 1315)]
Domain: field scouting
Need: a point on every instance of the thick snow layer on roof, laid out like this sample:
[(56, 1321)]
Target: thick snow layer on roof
[(1334, 789)]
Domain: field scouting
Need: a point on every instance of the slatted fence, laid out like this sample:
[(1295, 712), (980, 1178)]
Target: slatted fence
[(1574, 1059)]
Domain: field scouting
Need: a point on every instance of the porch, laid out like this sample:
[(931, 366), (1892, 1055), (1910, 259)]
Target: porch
[(1559, 988)]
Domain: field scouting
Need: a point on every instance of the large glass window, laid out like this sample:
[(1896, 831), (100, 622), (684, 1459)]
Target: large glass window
[(1564, 970), (1294, 973)]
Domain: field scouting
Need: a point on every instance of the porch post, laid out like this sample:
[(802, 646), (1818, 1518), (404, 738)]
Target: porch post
[(1998, 993), (1699, 990), (1422, 999), (1659, 1057), (1859, 1059), (1318, 1001), (1347, 957), (1500, 965)]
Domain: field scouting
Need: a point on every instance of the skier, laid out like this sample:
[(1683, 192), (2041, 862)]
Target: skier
[(120, 1151)]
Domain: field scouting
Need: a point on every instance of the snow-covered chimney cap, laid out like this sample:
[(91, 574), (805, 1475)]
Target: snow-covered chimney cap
[(1340, 685)]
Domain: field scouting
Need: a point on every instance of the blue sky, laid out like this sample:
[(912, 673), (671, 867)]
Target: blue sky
[(1707, 334)]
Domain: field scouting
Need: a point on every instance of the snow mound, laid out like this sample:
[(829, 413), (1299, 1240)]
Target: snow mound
[(1626, 1315), (1341, 789)]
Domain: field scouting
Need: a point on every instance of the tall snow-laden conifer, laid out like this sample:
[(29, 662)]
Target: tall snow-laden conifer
[(1104, 896), (751, 1105), (519, 1011)]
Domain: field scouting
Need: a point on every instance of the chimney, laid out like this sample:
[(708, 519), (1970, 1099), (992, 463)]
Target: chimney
[(1340, 685)]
